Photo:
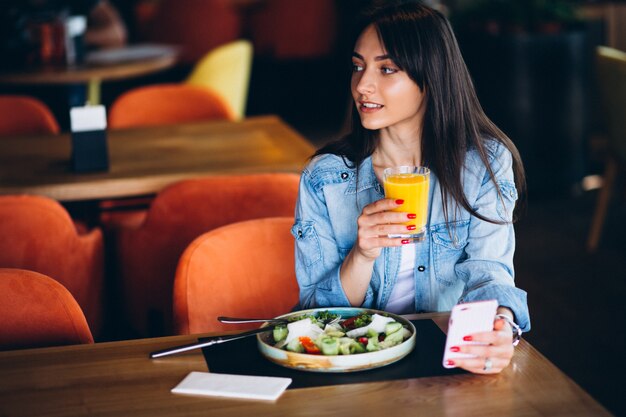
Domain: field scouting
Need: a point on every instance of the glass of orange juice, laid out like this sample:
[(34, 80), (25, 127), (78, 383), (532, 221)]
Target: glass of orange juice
[(411, 184)]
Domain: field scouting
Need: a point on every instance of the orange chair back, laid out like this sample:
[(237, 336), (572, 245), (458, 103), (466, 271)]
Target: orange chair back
[(37, 311), (197, 26), (290, 29), (181, 212), (39, 235), (22, 115), (164, 104), (244, 269)]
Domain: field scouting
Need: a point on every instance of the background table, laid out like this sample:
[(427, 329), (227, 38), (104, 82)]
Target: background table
[(117, 378), (107, 65), (144, 160)]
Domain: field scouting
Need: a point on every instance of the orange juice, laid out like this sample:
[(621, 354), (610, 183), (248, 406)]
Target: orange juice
[(411, 185)]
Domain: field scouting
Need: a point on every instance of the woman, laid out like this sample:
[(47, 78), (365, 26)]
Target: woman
[(414, 105)]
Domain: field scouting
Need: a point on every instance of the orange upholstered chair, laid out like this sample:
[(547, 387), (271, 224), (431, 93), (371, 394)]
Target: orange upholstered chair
[(244, 269), (197, 26), (22, 115), (294, 29), (163, 104), (39, 235), (148, 255), (37, 311), (154, 105)]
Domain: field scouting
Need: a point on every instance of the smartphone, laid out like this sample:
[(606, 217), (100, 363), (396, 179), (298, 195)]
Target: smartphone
[(466, 319)]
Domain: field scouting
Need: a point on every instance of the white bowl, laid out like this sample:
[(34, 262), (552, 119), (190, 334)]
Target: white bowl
[(337, 363)]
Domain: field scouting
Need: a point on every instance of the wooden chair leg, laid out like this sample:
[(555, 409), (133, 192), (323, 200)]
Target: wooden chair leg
[(602, 205)]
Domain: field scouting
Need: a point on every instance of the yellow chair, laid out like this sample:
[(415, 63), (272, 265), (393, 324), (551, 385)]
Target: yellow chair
[(226, 70), (611, 73)]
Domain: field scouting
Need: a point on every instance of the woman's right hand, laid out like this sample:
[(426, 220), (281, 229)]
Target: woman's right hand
[(376, 222)]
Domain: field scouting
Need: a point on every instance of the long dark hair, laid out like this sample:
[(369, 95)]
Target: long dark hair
[(420, 41)]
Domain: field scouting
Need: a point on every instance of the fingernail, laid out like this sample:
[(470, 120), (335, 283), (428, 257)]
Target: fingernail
[(455, 348), (405, 241), (467, 338), (399, 201), (410, 227), (411, 216), (449, 362)]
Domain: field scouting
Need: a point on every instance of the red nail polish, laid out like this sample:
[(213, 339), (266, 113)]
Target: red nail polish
[(455, 349), (449, 362), (410, 227), (405, 241), (411, 216), (399, 201), (467, 338)]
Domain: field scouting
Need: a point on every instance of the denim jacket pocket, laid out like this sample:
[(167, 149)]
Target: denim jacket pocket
[(448, 248), (506, 205), (307, 242)]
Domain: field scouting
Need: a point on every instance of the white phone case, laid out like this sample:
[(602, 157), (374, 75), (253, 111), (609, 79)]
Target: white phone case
[(466, 319)]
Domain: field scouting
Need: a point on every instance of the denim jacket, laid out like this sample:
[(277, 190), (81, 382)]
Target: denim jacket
[(467, 259)]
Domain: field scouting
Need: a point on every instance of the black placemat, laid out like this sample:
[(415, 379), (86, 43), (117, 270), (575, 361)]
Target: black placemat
[(242, 357)]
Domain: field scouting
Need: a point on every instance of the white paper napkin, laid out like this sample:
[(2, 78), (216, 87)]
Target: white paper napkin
[(88, 118), (234, 386)]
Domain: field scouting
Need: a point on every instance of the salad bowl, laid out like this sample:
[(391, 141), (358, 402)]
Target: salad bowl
[(337, 363)]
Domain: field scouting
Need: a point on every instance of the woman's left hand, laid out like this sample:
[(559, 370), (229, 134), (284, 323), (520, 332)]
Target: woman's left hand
[(492, 355)]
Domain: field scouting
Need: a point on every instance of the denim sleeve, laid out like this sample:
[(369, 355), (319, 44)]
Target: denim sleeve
[(488, 267), (317, 256)]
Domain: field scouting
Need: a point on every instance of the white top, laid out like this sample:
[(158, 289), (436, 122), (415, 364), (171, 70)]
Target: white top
[(402, 298)]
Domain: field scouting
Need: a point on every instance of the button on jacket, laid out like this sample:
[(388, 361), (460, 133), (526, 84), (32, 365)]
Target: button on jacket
[(466, 259)]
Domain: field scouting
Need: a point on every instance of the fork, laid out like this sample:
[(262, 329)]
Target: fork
[(237, 320)]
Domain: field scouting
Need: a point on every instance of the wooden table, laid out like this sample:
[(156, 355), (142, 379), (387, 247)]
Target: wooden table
[(117, 378), (104, 67), (144, 160)]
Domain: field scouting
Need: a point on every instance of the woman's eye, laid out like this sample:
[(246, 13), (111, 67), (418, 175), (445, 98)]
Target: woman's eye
[(356, 67), (388, 70)]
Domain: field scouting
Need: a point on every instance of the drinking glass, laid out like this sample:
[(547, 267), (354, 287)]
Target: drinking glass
[(411, 184)]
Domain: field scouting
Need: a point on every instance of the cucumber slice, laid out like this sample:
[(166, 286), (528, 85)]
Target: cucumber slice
[(330, 346), (392, 327), (295, 346), (280, 333)]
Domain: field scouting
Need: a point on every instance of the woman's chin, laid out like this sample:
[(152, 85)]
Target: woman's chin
[(371, 124)]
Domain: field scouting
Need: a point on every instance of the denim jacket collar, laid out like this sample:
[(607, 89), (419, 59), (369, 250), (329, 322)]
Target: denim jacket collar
[(364, 179)]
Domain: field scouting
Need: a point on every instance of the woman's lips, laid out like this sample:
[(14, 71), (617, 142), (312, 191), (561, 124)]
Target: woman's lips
[(368, 107)]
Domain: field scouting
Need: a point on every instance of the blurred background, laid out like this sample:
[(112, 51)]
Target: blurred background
[(534, 67)]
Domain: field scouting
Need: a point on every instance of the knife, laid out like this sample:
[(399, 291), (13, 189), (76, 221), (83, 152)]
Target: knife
[(213, 341)]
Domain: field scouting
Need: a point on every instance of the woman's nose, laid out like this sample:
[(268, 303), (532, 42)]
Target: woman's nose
[(365, 84)]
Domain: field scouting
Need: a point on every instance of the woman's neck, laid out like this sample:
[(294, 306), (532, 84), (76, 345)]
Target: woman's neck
[(398, 148)]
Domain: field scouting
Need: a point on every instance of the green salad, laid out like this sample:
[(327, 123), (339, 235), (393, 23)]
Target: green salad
[(329, 334)]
